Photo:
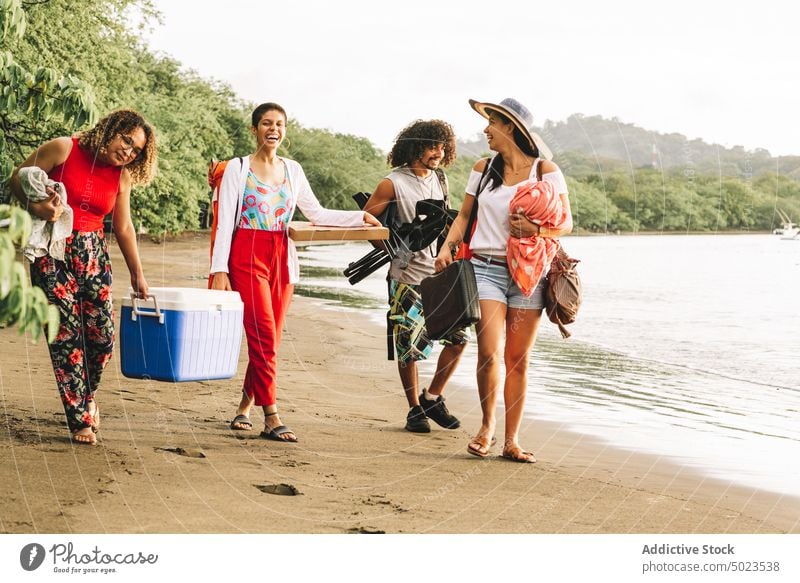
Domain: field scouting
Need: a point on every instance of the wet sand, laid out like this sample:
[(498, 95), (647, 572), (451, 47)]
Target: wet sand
[(355, 469)]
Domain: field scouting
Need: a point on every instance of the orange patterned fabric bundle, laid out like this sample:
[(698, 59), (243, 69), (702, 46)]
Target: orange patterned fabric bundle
[(530, 257)]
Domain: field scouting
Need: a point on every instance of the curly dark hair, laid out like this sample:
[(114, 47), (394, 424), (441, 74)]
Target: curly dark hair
[(124, 121), (415, 138)]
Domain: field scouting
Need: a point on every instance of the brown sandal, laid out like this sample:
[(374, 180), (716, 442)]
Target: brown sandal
[(482, 449), (518, 454)]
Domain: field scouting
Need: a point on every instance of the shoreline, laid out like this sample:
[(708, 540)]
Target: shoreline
[(580, 454), (580, 233), (356, 468), (168, 238)]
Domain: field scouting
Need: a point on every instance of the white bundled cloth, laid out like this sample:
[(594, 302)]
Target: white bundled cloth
[(47, 238)]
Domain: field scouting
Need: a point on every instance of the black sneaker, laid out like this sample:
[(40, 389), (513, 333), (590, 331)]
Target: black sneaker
[(437, 410), (416, 421)]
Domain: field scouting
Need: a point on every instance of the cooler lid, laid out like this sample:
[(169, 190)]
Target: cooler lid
[(188, 299)]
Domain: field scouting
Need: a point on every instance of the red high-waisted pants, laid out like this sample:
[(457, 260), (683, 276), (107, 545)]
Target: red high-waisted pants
[(258, 270)]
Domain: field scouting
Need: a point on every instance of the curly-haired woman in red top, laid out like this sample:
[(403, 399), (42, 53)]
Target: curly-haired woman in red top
[(98, 168)]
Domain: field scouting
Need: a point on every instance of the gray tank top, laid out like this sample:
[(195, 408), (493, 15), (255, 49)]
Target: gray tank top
[(408, 189)]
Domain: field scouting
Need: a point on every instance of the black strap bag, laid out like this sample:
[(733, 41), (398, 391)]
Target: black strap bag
[(450, 299)]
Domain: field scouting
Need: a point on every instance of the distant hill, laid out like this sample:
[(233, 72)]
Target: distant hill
[(588, 144)]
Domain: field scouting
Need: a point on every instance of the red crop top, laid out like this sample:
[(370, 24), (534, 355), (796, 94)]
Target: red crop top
[(92, 187)]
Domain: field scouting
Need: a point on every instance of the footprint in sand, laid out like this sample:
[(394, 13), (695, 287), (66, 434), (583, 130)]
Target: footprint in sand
[(293, 464), (380, 500), (184, 452), (365, 530), (279, 489)]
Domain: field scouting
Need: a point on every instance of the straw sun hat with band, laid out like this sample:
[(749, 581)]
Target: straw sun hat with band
[(519, 116)]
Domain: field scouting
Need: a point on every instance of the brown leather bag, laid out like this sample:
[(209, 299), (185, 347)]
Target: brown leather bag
[(564, 292)]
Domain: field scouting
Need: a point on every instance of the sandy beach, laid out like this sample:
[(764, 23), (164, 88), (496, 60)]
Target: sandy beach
[(355, 470)]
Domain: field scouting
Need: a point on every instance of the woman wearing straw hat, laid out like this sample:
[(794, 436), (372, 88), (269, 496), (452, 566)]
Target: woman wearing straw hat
[(521, 156)]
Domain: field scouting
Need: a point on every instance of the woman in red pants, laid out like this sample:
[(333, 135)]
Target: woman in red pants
[(254, 256)]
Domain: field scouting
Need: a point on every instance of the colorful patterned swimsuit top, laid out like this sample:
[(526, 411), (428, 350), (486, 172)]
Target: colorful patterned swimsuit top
[(266, 207)]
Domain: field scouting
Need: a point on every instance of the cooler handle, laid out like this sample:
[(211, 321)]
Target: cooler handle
[(137, 312)]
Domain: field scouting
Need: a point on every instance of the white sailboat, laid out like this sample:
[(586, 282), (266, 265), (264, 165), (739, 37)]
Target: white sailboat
[(789, 230)]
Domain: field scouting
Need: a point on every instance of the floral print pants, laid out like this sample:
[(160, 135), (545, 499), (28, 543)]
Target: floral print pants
[(80, 287)]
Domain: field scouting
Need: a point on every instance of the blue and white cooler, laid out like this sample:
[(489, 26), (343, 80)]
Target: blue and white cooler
[(181, 334)]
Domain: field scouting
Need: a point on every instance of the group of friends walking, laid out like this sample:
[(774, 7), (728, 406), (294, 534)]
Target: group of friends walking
[(253, 255)]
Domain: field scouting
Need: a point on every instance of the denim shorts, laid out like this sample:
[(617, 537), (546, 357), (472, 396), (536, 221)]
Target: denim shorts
[(495, 283)]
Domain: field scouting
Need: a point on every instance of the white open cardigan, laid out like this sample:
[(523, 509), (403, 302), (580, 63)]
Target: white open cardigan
[(231, 196)]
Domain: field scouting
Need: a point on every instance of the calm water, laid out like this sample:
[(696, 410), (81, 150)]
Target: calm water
[(686, 346)]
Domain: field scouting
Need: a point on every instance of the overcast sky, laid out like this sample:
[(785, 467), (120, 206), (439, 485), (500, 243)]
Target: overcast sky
[(728, 73)]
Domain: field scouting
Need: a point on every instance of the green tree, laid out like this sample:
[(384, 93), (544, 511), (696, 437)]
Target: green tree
[(336, 165), (592, 210), (195, 119), (30, 97), (775, 192), (457, 176), (195, 122), (33, 96), (20, 302)]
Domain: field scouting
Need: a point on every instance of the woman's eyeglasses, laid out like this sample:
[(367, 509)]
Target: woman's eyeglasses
[(129, 145)]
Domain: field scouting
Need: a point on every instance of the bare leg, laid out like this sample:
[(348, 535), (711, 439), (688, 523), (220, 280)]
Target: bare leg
[(410, 380), (521, 328), (94, 411), (445, 367), (490, 332)]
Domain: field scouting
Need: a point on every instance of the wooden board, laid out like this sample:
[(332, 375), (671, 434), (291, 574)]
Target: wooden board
[(303, 231)]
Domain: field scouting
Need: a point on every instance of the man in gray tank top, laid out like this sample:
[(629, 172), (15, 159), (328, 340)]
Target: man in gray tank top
[(418, 152)]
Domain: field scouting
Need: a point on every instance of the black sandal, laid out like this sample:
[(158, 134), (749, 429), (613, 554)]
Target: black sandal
[(275, 433), (241, 420)]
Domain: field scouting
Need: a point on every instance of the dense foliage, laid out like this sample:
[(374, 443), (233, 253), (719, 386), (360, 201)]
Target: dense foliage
[(30, 97), (646, 199), (21, 303)]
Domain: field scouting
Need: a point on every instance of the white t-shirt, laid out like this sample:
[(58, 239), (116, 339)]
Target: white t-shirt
[(408, 190), (493, 228)]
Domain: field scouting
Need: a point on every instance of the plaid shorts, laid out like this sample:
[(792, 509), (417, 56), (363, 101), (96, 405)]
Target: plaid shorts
[(406, 324)]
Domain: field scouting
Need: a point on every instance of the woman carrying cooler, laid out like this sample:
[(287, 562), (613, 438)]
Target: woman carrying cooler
[(254, 256), (97, 168), (505, 308)]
